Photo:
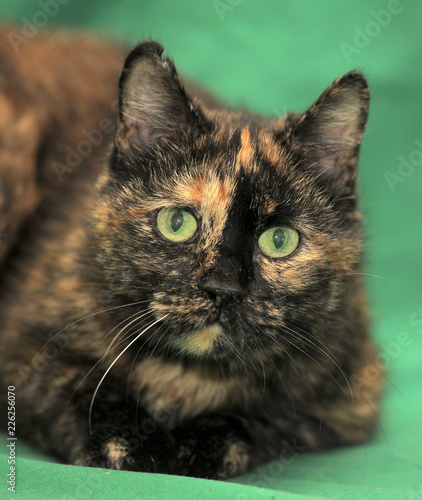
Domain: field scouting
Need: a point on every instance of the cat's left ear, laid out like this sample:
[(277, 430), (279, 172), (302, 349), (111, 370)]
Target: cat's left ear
[(153, 105), (331, 131)]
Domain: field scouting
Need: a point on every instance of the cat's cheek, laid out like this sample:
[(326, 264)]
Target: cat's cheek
[(309, 275), (265, 313), (290, 271), (183, 304)]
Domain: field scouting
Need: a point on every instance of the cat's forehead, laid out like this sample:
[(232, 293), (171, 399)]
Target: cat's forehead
[(256, 144), (246, 158)]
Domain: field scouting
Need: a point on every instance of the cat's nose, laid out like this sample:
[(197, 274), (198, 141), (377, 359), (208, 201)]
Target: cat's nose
[(222, 292)]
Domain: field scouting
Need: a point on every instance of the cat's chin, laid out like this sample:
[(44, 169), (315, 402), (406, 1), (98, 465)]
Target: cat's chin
[(202, 343), (210, 343)]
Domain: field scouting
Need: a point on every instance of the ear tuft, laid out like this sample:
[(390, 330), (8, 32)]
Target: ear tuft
[(149, 48)]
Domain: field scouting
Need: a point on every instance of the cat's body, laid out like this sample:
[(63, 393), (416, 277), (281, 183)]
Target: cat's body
[(244, 353)]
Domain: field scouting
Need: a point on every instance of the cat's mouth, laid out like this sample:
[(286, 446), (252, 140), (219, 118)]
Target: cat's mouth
[(212, 331)]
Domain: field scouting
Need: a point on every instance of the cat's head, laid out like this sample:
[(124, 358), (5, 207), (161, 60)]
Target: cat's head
[(235, 229)]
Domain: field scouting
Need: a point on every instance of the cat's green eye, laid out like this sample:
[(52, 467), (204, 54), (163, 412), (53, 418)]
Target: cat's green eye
[(176, 224), (278, 241)]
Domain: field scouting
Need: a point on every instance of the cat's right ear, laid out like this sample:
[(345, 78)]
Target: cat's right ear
[(153, 105)]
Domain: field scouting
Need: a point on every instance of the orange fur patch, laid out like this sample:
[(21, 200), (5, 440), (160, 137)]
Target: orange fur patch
[(271, 207), (270, 151), (246, 151), (196, 192)]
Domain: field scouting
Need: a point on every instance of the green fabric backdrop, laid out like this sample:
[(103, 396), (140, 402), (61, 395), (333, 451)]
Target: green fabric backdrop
[(275, 56)]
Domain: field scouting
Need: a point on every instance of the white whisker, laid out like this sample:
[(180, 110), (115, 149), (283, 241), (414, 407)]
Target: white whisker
[(87, 317), (316, 362), (138, 315), (307, 381), (330, 356), (113, 363), (285, 388), (99, 361)]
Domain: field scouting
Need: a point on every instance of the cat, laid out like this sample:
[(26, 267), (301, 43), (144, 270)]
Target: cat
[(193, 304)]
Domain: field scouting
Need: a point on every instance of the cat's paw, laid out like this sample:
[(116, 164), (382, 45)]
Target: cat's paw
[(130, 451), (212, 447)]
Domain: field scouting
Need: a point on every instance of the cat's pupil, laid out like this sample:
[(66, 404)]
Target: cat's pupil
[(278, 238), (177, 221)]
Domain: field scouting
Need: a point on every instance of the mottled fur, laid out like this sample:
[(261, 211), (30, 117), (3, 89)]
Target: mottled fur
[(241, 356)]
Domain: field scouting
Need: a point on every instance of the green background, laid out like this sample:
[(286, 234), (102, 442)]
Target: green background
[(272, 57)]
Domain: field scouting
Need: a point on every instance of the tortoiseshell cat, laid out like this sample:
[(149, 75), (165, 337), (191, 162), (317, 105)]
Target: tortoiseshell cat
[(195, 305)]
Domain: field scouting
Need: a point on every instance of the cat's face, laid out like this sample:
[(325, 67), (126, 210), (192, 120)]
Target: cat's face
[(238, 231)]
